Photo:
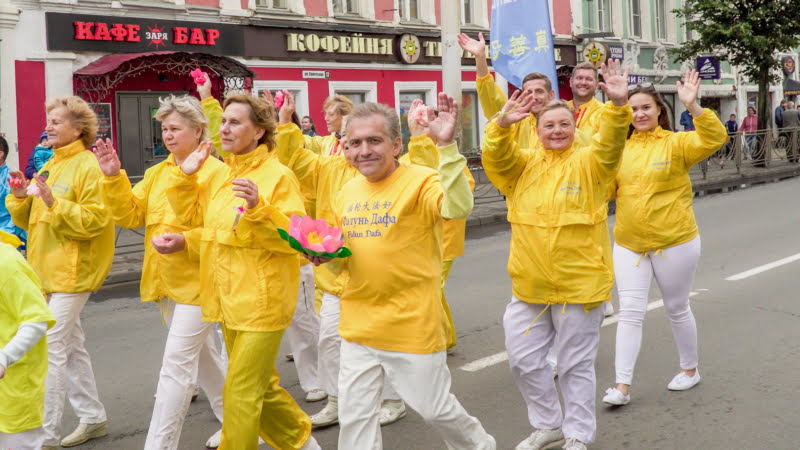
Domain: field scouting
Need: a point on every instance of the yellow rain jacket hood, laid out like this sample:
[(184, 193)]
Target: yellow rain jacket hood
[(560, 248), (172, 276), (653, 189), (248, 275), (71, 244)]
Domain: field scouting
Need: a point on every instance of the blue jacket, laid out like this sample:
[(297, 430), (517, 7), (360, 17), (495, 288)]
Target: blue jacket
[(687, 121), (5, 218), (37, 159)]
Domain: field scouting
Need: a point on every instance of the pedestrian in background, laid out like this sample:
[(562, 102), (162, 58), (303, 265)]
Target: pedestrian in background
[(6, 224), (560, 260), (189, 352), (24, 319), (41, 154), (733, 129), (779, 114), (307, 125), (748, 130), (655, 233), (687, 121), (70, 247), (791, 123)]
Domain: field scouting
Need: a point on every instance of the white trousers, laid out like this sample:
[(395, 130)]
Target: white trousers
[(24, 440), (69, 374), (423, 382), (575, 335), (674, 273), (303, 333), (190, 354)]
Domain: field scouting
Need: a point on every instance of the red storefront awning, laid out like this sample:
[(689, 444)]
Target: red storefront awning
[(111, 62)]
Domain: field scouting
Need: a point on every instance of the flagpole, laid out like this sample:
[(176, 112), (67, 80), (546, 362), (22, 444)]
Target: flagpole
[(451, 52)]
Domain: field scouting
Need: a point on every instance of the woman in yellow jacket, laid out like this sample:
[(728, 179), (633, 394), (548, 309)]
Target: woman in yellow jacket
[(70, 247), (560, 256), (248, 275), (655, 232), (190, 350)]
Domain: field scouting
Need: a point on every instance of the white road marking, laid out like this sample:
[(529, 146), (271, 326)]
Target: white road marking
[(497, 358), (764, 268)]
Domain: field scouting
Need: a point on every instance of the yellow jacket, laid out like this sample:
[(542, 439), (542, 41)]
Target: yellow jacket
[(560, 248), (71, 244), (248, 274), (321, 177), (172, 276), (21, 301), (454, 230), (323, 145), (524, 132), (653, 189), (587, 117)]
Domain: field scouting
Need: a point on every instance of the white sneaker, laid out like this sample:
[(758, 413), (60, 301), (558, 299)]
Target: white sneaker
[(84, 432), (311, 444), (391, 411), (329, 414), (609, 309), (316, 395), (615, 397), (574, 444), (215, 440), (542, 439), (682, 382)]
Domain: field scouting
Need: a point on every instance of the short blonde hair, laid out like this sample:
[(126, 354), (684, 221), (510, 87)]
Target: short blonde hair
[(556, 104), (82, 117), (262, 114), (343, 104), (187, 107)]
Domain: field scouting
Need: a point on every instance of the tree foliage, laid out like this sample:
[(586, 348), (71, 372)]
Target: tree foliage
[(747, 33)]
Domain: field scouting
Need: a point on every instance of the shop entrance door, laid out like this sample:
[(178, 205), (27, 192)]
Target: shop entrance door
[(138, 132)]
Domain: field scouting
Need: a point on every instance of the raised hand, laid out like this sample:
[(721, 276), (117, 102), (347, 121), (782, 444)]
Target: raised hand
[(287, 109), (615, 82), (169, 243), (687, 91), (44, 191), (107, 158), (268, 96), (246, 189), (204, 89), (443, 127), (414, 127), (195, 160), (471, 46), (516, 109), (18, 184)]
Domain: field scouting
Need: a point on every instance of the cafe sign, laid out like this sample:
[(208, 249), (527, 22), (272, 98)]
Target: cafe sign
[(80, 32)]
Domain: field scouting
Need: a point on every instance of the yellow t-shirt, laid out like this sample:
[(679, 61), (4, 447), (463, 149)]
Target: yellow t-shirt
[(394, 229), (21, 301)]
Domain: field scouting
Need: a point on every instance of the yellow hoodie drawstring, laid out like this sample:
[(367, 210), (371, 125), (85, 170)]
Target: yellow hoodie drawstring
[(644, 255), (537, 317), (164, 314)]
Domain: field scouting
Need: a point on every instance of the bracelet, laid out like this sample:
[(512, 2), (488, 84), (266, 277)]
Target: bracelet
[(503, 112)]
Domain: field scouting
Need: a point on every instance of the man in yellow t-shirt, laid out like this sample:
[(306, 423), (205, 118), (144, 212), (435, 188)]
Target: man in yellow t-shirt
[(24, 319), (392, 322)]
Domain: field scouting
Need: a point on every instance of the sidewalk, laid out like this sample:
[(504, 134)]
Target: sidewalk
[(490, 207)]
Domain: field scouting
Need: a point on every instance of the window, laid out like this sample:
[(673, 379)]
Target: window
[(661, 19), (298, 89), (405, 92), (409, 9), (466, 12), (272, 4), (604, 15), (356, 91), (636, 18), (470, 121), (355, 97), (404, 107), (345, 6)]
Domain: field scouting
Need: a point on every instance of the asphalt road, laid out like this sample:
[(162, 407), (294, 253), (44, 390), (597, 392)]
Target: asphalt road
[(748, 334)]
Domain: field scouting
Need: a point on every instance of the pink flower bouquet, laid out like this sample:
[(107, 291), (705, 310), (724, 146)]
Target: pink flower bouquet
[(278, 99), (420, 114), (314, 237), (199, 76)]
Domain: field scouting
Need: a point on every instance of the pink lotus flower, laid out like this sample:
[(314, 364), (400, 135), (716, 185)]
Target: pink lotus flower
[(278, 99), (315, 235), (420, 113), (199, 76)]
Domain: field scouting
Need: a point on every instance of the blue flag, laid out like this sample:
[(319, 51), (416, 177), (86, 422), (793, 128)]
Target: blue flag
[(522, 40)]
